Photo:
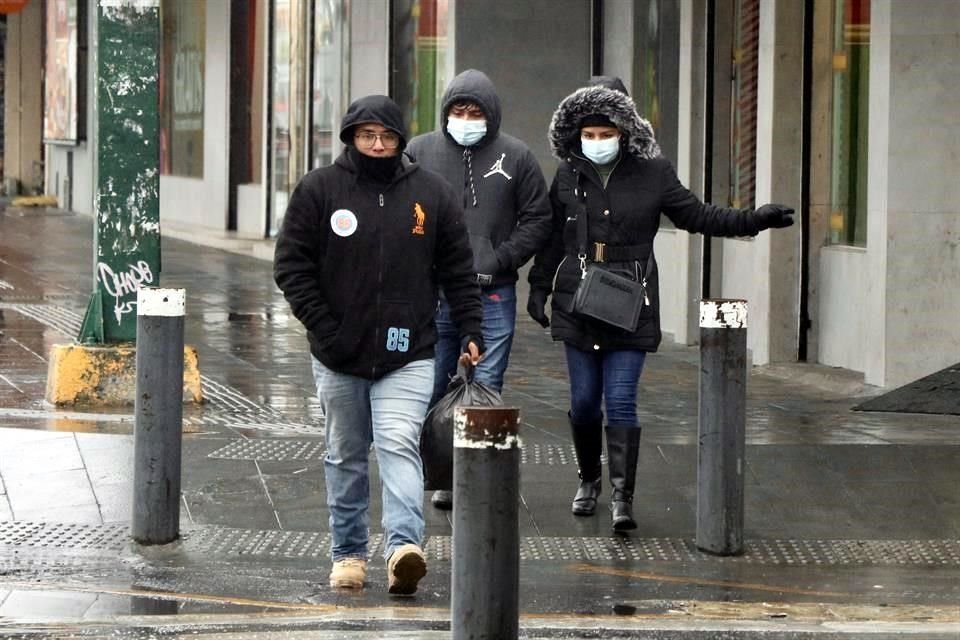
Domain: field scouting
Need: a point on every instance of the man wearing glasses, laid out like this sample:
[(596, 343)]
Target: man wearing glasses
[(507, 213), (364, 245)]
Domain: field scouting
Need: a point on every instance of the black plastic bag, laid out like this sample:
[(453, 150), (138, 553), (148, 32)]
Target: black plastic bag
[(436, 438)]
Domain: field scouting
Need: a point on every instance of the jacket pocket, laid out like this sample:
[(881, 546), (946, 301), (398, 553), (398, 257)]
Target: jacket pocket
[(484, 256), (344, 343)]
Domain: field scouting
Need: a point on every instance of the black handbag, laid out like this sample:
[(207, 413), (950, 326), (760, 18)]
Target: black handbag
[(608, 296)]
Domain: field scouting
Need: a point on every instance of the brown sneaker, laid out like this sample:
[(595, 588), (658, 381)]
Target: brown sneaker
[(348, 573), (405, 567)]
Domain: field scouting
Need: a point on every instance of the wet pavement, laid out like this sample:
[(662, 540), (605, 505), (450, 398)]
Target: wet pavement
[(852, 518)]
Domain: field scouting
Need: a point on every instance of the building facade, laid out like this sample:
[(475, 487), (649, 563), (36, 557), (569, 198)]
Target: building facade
[(845, 109)]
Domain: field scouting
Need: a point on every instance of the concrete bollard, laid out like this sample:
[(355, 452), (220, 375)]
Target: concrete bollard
[(485, 578), (158, 414), (722, 426)]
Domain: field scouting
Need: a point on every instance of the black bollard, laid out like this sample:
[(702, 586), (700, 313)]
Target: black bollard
[(158, 414), (722, 426), (485, 576)]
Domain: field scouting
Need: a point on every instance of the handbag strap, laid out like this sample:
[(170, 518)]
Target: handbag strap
[(583, 236)]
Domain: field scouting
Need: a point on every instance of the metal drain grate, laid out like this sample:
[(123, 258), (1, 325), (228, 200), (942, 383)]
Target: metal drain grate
[(271, 450), (278, 544), (64, 536), (221, 396), (257, 422), (303, 450), (315, 544)]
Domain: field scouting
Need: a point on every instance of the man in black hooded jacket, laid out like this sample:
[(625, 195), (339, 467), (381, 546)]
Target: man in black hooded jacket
[(363, 247), (507, 213)]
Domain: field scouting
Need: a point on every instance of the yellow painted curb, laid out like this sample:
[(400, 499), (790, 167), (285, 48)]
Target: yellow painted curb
[(34, 201), (105, 375)]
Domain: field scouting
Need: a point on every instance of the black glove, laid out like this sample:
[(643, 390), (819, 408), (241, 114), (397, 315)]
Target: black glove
[(537, 307), (775, 216)]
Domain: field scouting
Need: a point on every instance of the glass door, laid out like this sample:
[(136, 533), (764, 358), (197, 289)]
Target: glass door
[(288, 101), (331, 79), (309, 90)]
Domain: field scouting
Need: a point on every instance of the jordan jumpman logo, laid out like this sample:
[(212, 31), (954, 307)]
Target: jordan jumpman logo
[(498, 168)]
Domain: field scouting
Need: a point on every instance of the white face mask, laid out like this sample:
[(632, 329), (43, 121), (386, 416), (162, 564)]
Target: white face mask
[(600, 151), (466, 132)]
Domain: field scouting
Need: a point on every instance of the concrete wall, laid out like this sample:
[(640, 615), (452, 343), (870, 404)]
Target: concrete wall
[(819, 207), (913, 239), (536, 52), (203, 202), (22, 111), (775, 300), (369, 35), (619, 41), (679, 253), (843, 297)]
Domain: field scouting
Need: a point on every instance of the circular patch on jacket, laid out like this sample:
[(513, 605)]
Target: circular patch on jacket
[(343, 222)]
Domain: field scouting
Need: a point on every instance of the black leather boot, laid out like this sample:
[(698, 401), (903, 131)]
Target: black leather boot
[(623, 449), (588, 443)]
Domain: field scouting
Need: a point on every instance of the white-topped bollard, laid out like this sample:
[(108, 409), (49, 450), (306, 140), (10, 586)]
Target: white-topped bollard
[(158, 413), (485, 573), (722, 426)]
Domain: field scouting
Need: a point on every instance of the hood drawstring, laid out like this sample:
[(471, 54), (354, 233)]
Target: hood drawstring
[(468, 177)]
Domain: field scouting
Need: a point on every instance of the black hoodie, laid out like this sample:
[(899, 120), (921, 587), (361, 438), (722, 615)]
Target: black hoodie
[(360, 260), (502, 188)]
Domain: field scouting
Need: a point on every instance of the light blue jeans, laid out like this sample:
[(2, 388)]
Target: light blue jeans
[(387, 413), (499, 321)]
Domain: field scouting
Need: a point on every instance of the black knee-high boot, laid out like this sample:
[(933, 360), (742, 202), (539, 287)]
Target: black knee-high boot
[(588, 443), (623, 449)]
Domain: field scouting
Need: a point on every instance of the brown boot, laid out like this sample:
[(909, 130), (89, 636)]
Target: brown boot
[(405, 567), (348, 573)]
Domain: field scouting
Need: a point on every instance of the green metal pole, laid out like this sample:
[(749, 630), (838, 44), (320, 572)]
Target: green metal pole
[(127, 199)]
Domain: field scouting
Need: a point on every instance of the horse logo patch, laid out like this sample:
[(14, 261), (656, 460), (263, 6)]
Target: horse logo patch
[(419, 218)]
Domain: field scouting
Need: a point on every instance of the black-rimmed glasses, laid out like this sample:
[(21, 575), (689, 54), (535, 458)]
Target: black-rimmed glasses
[(367, 139)]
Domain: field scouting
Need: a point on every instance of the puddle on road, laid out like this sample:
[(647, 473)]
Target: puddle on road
[(74, 421), (23, 605)]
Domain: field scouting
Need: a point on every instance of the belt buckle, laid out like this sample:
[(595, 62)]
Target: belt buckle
[(598, 252)]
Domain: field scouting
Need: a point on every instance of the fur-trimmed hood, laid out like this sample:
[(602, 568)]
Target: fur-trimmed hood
[(565, 125)]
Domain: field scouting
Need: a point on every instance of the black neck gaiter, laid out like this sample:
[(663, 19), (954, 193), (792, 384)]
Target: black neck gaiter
[(380, 170)]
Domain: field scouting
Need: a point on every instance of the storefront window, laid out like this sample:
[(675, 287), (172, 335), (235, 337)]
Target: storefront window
[(181, 87), (421, 54), (331, 48), (656, 80), (288, 128), (851, 73), (63, 114), (743, 129)]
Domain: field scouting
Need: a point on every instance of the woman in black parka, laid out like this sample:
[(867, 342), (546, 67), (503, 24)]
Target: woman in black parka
[(611, 169)]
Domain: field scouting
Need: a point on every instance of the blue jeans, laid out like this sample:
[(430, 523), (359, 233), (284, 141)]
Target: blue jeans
[(499, 321), (388, 413), (607, 376)]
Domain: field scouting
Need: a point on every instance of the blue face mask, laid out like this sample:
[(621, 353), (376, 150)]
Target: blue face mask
[(466, 132), (600, 151)]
